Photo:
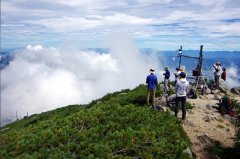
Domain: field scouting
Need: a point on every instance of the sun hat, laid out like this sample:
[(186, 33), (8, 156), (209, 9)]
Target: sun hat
[(151, 70)]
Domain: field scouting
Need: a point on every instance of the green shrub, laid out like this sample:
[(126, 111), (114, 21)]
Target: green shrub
[(113, 127)]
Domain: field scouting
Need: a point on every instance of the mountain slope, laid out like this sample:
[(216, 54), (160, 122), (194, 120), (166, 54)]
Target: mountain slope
[(119, 125)]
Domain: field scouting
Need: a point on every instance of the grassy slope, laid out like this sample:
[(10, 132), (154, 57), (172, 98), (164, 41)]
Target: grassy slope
[(119, 125)]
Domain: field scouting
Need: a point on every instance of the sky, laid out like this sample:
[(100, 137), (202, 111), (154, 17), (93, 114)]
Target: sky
[(157, 24)]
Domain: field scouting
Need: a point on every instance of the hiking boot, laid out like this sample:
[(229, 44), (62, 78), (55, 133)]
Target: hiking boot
[(183, 122), (151, 107)]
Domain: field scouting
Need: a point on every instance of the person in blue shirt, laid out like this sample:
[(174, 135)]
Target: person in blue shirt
[(151, 87), (166, 79)]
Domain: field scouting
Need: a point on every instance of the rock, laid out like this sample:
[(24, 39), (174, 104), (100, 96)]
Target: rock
[(217, 97), (201, 97), (190, 111), (171, 97), (204, 139), (223, 89), (160, 101), (228, 92), (209, 107), (158, 107), (207, 118), (188, 152), (190, 87), (210, 96), (189, 123), (208, 91), (226, 116), (223, 84), (161, 86), (235, 91), (4, 129), (215, 91)]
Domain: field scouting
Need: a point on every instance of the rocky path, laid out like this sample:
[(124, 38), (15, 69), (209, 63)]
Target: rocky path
[(204, 125)]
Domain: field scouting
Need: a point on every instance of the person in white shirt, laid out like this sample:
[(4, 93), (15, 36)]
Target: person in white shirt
[(218, 71), (181, 93)]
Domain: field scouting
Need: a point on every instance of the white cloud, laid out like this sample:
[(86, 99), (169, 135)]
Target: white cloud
[(70, 24), (41, 79), (91, 19), (126, 19), (205, 3), (232, 76)]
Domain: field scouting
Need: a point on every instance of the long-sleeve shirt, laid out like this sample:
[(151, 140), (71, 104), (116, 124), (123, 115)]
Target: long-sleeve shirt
[(151, 81), (218, 70), (167, 74), (182, 87)]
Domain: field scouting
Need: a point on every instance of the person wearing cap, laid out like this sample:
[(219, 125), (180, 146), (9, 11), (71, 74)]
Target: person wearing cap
[(166, 79), (151, 87), (181, 93), (217, 73)]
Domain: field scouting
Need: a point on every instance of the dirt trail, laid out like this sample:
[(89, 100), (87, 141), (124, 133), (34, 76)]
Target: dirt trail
[(204, 125)]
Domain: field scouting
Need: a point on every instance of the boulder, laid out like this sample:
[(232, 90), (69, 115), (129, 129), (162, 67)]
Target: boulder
[(217, 97), (188, 152), (171, 100), (223, 89), (215, 91), (208, 91), (160, 101), (235, 91), (161, 86)]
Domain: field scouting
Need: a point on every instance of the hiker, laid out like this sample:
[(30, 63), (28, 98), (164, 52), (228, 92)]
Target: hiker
[(151, 88), (166, 79), (217, 73), (181, 93), (224, 74), (176, 74)]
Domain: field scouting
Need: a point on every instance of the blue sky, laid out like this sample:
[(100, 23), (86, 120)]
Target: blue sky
[(158, 24)]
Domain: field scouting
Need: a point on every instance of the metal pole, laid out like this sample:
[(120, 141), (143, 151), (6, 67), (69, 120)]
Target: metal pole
[(180, 56), (200, 59)]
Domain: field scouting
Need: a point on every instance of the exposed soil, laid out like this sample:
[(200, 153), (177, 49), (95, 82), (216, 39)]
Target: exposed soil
[(205, 125)]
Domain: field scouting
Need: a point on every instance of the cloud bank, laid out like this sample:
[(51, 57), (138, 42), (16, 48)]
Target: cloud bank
[(232, 76), (44, 78)]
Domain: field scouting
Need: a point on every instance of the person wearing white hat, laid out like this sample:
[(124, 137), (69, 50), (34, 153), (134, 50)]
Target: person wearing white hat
[(217, 73), (151, 88)]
